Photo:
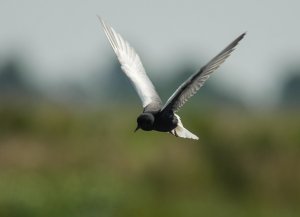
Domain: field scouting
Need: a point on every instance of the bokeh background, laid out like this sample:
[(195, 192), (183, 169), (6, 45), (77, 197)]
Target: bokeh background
[(67, 112)]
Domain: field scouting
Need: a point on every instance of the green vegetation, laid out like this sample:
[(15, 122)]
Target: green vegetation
[(60, 162)]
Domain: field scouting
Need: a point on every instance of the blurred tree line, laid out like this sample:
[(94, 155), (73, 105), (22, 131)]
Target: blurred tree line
[(290, 94), (16, 84)]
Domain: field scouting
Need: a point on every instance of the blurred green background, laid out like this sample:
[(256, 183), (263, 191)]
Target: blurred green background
[(55, 161), (67, 112), (81, 158)]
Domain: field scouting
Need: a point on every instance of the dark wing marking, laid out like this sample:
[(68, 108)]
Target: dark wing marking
[(196, 81)]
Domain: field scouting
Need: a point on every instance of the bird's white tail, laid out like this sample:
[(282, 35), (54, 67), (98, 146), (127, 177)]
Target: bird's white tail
[(180, 131)]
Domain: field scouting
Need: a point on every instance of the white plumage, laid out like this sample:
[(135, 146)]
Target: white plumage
[(132, 66)]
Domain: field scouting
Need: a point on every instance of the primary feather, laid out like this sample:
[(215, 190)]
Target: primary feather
[(196, 81), (133, 68)]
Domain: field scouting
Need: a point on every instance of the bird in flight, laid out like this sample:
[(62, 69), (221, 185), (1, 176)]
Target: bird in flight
[(155, 115)]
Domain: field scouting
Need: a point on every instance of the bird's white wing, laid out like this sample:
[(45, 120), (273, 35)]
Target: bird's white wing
[(132, 67), (197, 80)]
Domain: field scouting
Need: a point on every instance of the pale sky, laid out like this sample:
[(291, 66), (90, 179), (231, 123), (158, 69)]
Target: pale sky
[(63, 39)]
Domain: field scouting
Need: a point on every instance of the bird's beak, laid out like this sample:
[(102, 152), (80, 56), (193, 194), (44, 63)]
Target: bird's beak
[(138, 127)]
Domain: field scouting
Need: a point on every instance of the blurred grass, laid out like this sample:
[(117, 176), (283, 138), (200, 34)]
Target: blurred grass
[(55, 161)]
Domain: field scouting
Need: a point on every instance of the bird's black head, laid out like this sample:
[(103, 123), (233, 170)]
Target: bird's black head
[(145, 121)]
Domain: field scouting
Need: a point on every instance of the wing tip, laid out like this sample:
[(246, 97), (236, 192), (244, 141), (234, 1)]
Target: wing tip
[(99, 17), (102, 21), (242, 35), (238, 39)]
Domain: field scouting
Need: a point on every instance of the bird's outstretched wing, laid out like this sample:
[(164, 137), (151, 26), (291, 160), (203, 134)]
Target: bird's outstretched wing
[(132, 67), (196, 81)]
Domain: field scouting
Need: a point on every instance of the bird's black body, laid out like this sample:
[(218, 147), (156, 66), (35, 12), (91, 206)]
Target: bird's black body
[(165, 121), (159, 121)]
